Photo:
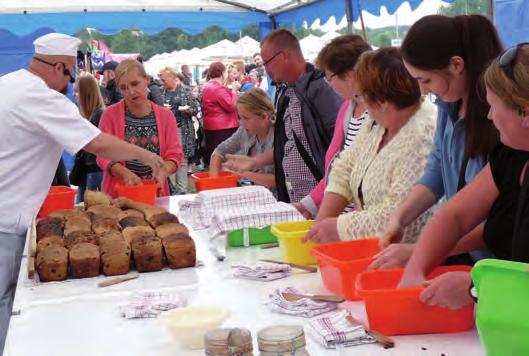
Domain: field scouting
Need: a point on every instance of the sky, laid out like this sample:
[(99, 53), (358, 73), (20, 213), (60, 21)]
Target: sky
[(404, 15)]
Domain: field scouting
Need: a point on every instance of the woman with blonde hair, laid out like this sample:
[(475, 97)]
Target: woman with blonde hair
[(498, 195), (85, 172), (256, 135), (139, 121)]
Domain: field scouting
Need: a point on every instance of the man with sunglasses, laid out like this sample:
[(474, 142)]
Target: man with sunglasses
[(38, 124), (306, 108)]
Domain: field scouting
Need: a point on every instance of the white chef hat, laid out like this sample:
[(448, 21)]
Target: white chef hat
[(57, 44)]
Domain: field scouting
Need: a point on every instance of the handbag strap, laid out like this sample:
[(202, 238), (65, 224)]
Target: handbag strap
[(306, 158)]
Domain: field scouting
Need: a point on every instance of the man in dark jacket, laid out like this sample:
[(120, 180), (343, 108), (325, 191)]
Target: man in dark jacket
[(109, 89), (306, 113)]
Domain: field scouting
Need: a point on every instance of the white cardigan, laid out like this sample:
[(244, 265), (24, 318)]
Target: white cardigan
[(385, 178)]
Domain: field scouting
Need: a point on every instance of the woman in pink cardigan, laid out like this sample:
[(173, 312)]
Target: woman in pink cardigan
[(137, 120), (338, 59)]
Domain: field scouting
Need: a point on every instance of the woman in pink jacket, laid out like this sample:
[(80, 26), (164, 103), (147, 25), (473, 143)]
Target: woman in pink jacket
[(338, 59), (220, 109), (137, 120)]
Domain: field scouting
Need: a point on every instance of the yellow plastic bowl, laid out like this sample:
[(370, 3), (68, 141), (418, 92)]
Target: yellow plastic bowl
[(289, 236), (189, 325)]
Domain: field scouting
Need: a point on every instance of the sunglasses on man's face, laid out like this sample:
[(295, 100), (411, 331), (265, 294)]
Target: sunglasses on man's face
[(508, 60)]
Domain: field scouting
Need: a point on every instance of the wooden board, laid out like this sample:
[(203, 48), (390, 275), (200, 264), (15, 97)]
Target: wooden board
[(32, 248)]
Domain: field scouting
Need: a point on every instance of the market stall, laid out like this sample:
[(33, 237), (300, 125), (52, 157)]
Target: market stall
[(77, 317)]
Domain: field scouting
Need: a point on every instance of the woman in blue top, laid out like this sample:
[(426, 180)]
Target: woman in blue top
[(447, 55)]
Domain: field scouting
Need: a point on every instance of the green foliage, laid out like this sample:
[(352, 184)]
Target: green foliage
[(465, 7)]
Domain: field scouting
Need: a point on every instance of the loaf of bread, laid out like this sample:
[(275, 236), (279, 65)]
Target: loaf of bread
[(162, 219), (180, 250), (92, 198), (49, 227), (107, 211), (60, 214), (131, 221), (76, 237), (115, 256), (48, 241), (147, 210), (148, 253), (132, 233), (77, 214), (109, 235), (77, 225), (52, 264), (101, 224), (171, 229), (84, 260), (130, 212)]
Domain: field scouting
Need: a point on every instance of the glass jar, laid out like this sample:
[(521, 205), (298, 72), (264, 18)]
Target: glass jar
[(229, 342), (282, 340)]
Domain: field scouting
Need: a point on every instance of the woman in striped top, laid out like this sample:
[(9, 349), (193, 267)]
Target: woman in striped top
[(338, 59)]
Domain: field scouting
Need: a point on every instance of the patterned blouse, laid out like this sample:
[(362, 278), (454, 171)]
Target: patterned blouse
[(378, 181), (143, 132)]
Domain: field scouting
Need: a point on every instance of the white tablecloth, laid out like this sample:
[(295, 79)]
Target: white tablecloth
[(77, 318)]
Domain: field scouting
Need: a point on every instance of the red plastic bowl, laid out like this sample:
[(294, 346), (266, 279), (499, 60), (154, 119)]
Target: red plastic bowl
[(341, 262), (145, 193), (58, 198), (224, 180), (395, 311)]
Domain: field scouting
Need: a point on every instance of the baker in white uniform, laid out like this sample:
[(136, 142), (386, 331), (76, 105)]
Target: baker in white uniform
[(37, 123)]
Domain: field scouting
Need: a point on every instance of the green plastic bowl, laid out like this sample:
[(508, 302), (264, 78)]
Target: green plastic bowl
[(503, 306), (256, 236)]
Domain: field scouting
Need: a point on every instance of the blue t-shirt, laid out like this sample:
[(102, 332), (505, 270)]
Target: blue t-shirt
[(442, 170)]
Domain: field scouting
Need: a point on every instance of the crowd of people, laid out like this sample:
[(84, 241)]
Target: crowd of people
[(351, 141)]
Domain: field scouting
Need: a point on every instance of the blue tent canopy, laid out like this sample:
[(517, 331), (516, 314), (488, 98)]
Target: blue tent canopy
[(512, 21)]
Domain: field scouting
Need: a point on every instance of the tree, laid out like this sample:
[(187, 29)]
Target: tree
[(465, 7)]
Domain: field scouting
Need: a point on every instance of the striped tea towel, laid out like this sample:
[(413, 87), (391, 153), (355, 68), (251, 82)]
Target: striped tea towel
[(263, 271), (150, 304), (334, 329), (200, 211), (304, 307), (240, 217)]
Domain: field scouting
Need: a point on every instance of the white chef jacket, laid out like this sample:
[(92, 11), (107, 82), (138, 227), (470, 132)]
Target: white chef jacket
[(36, 125)]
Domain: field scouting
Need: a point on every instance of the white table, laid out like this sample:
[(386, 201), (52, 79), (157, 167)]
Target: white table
[(77, 318)]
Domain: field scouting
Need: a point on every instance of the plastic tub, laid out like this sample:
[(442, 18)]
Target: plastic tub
[(253, 236), (502, 311), (59, 197), (189, 325), (341, 262), (395, 311), (145, 193), (289, 236), (224, 180)]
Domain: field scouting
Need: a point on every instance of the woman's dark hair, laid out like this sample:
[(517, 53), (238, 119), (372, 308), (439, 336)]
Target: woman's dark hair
[(216, 69), (430, 44), (382, 76), (341, 54)]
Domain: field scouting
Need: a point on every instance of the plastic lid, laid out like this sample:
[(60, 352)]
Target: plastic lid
[(281, 338)]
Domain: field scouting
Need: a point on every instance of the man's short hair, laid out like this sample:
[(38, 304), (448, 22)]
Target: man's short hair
[(255, 55), (283, 40)]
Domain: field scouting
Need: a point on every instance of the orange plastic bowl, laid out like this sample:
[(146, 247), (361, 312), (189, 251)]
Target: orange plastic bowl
[(341, 262), (145, 193), (224, 180), (59, 197), (395, 311)]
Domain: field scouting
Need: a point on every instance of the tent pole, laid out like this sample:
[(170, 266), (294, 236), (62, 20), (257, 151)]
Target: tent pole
[(349, 16), (364, 32), (242, 6)]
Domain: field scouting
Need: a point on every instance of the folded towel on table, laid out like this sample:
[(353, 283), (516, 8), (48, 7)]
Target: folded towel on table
[(303, 307), (334, 329), (263, 271), (150, 304)]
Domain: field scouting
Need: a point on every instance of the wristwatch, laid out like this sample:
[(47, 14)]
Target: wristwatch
[(473, 292)]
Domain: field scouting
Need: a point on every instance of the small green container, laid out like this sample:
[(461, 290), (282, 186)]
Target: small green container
[(503, 306), (252, 235)]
